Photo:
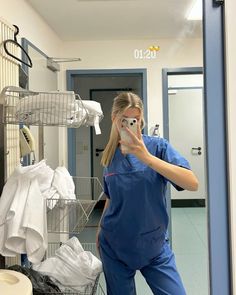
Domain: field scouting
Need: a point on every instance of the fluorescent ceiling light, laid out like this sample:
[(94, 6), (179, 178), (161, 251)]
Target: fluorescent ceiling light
[(195, 12)]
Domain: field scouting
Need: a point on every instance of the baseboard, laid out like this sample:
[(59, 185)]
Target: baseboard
[(188, 203), (174, 203)]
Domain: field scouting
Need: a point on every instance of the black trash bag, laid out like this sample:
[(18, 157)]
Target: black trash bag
[(41, 284)]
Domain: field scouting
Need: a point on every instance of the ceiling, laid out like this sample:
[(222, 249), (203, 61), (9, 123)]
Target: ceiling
[(77, 20)]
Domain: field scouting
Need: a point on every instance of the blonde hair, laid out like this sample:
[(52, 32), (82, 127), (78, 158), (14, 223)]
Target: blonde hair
[(121, 103)]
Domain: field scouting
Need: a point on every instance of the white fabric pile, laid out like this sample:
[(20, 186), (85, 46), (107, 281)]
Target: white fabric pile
[(95, 114), (52, 108), (23, 223), (72, 266), (62, 187), (55, 108)]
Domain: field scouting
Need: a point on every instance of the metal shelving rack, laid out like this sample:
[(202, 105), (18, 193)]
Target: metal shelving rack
[(53, 108), (42, 108), (62, 109), (66, 216)]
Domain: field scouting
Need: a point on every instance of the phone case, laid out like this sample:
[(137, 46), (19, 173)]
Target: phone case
[(130, 123)]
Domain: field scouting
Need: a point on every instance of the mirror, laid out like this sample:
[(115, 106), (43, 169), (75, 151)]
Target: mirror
[(185, 130), (133, 41)]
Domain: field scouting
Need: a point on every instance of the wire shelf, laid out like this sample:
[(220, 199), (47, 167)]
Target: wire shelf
[(71, 216), (42, 108), (95, 289)]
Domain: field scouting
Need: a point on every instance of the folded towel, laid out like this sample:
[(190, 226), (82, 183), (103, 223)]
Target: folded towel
[(53, 108)]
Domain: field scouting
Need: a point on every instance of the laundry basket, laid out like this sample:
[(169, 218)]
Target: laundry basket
[(66, 216), (69, 217), (96, 289), (89, 290)]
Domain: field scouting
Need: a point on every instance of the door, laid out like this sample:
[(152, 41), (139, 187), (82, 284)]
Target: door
[(96, 85), (186, 134), (215, 118)]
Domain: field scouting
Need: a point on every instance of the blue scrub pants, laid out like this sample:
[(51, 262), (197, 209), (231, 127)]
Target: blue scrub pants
[(161, 274)]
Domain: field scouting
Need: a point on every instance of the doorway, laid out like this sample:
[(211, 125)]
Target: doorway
[(186, 131), (183, 107), (102, 86)]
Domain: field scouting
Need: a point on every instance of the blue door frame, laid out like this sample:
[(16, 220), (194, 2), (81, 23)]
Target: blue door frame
[(216, 148), (70, 74)]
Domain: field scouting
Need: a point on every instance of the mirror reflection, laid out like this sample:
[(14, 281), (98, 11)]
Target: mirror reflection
[(124, 46)]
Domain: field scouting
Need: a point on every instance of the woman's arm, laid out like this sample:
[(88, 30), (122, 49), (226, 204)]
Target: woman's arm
[(99, 224), (182, 177), (104, 209)]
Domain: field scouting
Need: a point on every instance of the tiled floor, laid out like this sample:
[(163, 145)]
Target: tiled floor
[(189, 237), (189, 233)]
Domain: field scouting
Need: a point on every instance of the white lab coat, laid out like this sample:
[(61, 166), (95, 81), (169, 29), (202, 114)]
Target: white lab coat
[(23, 226), (62, 187), (23, 222)]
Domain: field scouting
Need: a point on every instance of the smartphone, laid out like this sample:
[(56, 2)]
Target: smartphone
[(132, 124)]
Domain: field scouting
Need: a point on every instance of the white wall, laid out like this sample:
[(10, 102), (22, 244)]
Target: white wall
[(185, 81), (120, 55), (31, 25), (230, 22), (35, 29), (105, 55), (180, 102)]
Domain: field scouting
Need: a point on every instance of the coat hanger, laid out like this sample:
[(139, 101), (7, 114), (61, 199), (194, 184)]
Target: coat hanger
[(28, 62)]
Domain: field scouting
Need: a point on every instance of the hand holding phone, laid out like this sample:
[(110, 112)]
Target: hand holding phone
[(132, 124)]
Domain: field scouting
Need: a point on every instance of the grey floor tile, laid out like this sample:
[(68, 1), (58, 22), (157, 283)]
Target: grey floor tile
[(142, 287), (186, 239), (191, 248), (194, 273)]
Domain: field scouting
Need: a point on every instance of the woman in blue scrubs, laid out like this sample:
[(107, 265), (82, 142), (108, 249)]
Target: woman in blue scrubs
[(133, 229)]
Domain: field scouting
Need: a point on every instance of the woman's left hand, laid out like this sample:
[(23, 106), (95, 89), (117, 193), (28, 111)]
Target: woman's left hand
[(137, 146)]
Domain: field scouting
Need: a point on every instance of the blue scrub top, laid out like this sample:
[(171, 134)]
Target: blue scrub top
[(136, 220)]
